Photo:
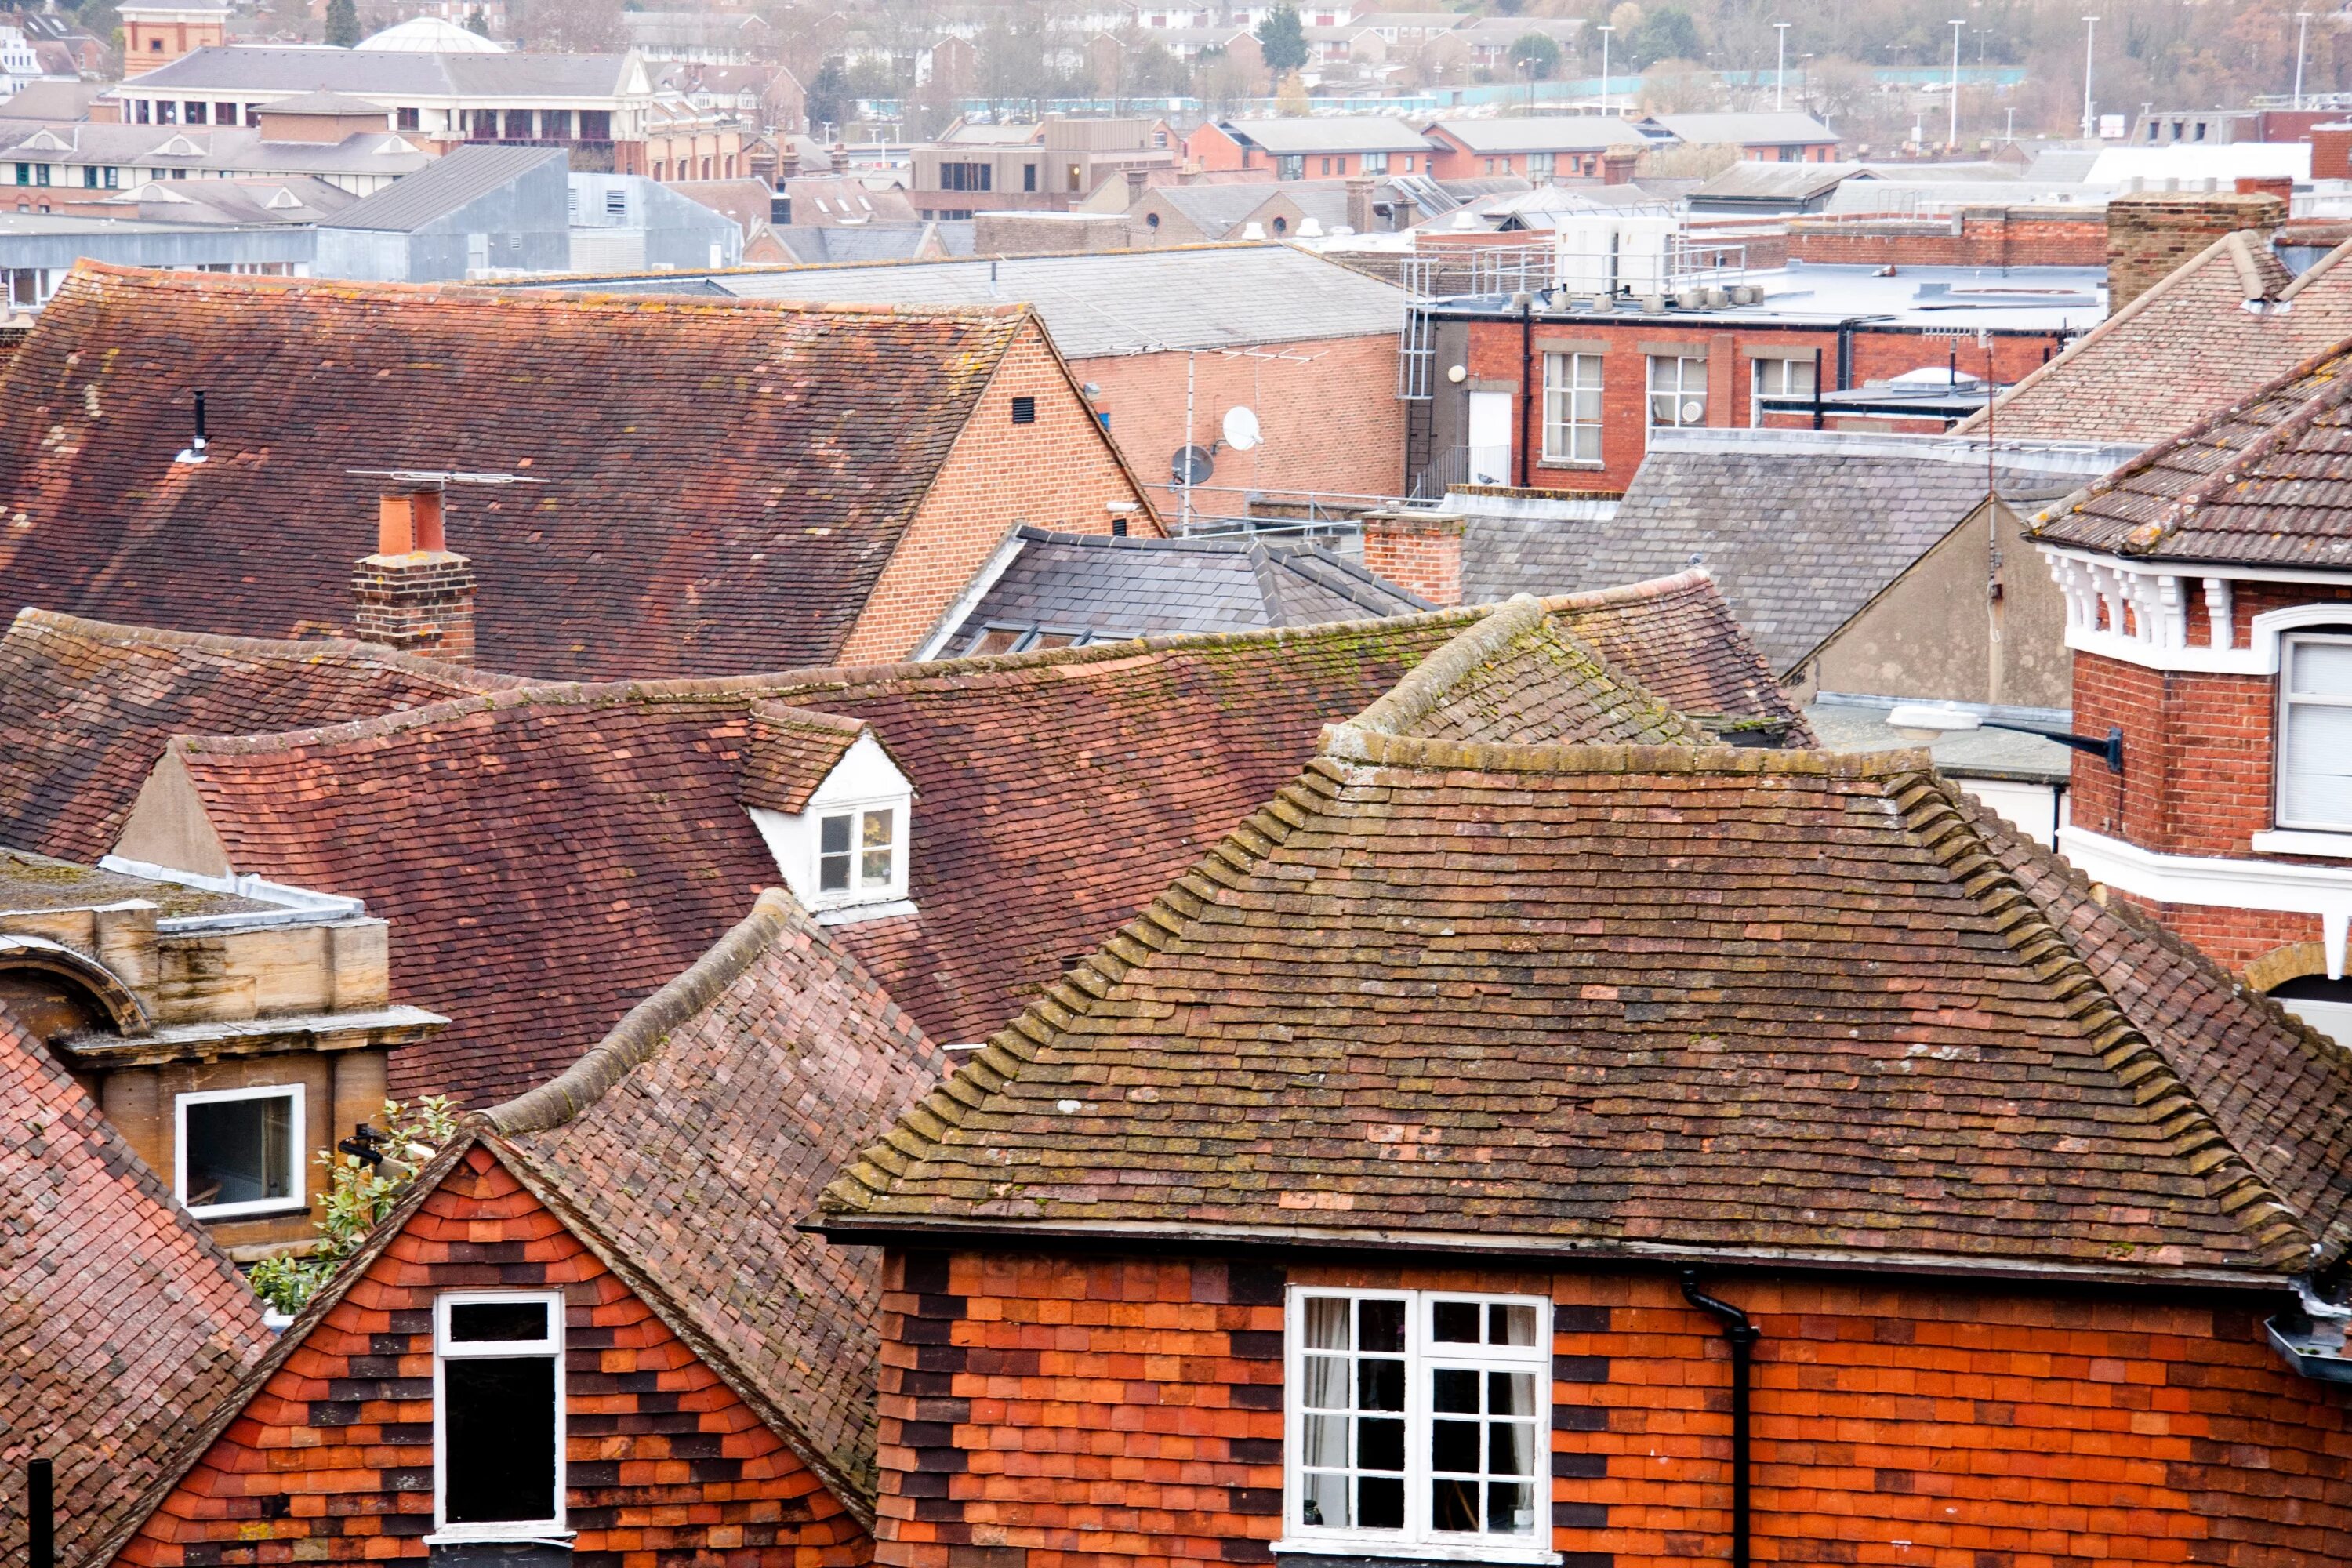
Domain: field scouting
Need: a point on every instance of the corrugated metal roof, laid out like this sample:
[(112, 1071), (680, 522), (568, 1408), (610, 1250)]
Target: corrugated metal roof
[(449, 182), (1123, 302)]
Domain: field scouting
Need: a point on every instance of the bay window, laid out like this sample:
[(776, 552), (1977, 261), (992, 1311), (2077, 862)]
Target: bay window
[(2315, 743), (1417, 1423)]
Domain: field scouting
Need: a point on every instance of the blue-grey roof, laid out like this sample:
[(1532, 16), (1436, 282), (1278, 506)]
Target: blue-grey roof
[(1092, 587), (382, 74), (454, 180)]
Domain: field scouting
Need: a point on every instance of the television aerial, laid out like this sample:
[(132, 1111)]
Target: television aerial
[(1241, 429)]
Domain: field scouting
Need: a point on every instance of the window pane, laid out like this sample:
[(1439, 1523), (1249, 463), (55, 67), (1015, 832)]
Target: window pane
[(1380, 1445), (1510, 1325), (1326, 1442), (874, 864), (2316, 762), (832, 873), (499, 1427), (1327, 1322), (1453, 1447), (2321, 669), (834, 835), (240, 1151), (995, 640), (1453, 1323), (1451, 1388), (1510, 1394), (1510, 1508), (1380, 1502), (1453, 1505), (1379, 1326), (1379, 1384), (1327, 1383), (473, 1322), (1326, 1502), (1510, 1450)]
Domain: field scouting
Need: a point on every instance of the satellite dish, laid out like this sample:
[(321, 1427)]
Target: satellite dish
[(1241, 428), (1191, 465)]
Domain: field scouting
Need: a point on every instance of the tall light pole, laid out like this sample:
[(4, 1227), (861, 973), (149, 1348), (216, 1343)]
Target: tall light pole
[(2302, 35), (1952, 137), (2090, 32), (1780, 71), (1604, 33)]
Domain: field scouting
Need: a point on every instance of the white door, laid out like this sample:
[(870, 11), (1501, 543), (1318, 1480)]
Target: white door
[(1490, 438)]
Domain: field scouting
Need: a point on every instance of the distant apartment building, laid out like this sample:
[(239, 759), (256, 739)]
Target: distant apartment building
[(1310, 148), (1047, 167)]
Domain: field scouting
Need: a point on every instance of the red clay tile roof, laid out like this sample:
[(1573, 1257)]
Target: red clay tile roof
[(86, 709), (2262, 482), (686, 1148), (2183, 349), (790, 752), (722, 482), (549, 857), (1442, 992), (122, 1327)]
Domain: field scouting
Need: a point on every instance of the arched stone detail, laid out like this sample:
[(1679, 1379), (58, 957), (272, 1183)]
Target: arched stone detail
[(123, 1006), (2281, 964)]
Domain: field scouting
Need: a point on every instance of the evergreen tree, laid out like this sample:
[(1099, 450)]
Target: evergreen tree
[(343, 23), (1282, 40), (478, 23), (1536, 56)]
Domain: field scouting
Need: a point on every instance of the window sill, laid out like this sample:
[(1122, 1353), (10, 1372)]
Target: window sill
[(850, 914), (222, 1212), (2303, 841), (494, 1536), (1338, 1551)]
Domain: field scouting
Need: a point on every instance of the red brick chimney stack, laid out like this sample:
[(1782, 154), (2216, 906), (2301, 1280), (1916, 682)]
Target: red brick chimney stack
[(1417, 549), (414, 593)]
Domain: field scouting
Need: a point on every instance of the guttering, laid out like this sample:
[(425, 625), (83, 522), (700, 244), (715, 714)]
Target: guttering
[(1742, 1336)]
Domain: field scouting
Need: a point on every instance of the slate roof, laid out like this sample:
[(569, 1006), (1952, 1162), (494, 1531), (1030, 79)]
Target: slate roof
[(2261, 483), (693, 1139), (1106, 587), (452, 182), (122, 1326), (1809, 1011), (1543, 133), (1124, 303), (551, 856), (376, 74), (1797, 540), (86, 709), (662, 539), (2185, 349), (1327, 133), (1718, 130)]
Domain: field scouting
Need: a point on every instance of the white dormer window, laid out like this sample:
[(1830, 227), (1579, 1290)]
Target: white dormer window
[(844, 853), (858, 853)]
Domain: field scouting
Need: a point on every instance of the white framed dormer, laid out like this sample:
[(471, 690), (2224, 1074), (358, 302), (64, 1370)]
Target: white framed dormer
[(844, 854)]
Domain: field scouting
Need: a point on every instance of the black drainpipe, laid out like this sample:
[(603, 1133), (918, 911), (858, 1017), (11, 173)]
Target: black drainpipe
[(1743, 1335), (40, 1514), (1846, 355), (1527, 374)]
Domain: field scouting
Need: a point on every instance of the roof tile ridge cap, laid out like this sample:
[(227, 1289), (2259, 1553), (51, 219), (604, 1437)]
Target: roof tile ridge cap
[(1625, 592), (2171, 283), (2249, 271), (871, 1175), (2324, 268), (645, 1028), (396, 722), (1421, 689), (777, 710), (1347, 743), (176, 1467), (2291, 428), (296, 650), (1948, 833)]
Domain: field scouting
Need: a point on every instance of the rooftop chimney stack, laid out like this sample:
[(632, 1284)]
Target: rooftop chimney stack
[(414, 593), (1418, 549), (1617, 164), (1360, 206)]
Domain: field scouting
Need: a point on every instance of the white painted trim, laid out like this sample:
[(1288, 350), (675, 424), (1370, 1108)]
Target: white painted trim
[(444, 1352), (935, 645), (2282, 886), (2099, 589), (297, 1132), (2291, 841)]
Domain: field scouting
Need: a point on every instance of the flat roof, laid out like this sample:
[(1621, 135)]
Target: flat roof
[(1950, 299)]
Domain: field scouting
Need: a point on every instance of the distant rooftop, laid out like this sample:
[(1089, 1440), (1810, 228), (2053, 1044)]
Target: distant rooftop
[(2021, 299)]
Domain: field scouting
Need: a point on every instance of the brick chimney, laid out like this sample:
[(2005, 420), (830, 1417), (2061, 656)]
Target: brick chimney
[(1360, 206), (1617, 165), (414, 593), (1418, 549), (2150, 233)]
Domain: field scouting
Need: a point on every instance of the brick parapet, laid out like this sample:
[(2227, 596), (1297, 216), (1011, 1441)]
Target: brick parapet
[(1973, 236)]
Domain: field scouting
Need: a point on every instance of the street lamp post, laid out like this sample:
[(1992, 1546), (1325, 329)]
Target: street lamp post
[(2302, 36), (2090, 32), (1952, 136), (1604, 33), (1780, 71)]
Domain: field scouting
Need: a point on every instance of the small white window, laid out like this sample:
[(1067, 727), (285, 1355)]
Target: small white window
[(1419, 1421), (1678, 391), (1778, 378), (497, 1416), (2315, 745), (239, 1151), (858, 852), (1571, 432)]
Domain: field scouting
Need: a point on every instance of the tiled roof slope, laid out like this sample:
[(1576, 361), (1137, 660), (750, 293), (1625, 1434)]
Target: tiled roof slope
[(86, 709), (1797, 541), (2263, 481), (1131, 587), (1805, 1011), (122, 1327), (720, 484), (2183, 349), (551, 857), (688, 1144)]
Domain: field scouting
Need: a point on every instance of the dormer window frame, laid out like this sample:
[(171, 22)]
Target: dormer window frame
[(857, 816), (863, 781)]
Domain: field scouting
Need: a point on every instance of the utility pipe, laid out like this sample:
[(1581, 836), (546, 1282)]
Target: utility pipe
[(1742, 1336)]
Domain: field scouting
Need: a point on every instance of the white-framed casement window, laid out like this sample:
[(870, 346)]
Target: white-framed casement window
[(1417, 1424), (1571, 425), (2314, 740), (861, 852), (238, 1152), (497, 1416), (1778, 378), (1678, 391)]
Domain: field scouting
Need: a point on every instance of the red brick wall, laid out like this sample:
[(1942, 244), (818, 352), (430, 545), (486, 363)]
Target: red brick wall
[(1058, 472), (1047, 1412), (2233, 938), (332, 1461), (1986, 236), (2150, 233), (1421, 554), (1493, 358), (1328, 410), (1210, 150)]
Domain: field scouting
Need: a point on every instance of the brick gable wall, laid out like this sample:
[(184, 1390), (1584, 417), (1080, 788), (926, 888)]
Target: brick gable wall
[(1058, 472), (1049, 1412), (331, 1461)]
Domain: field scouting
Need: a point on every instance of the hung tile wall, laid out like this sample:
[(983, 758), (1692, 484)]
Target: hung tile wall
[(1046, 1411), (331, 1461)]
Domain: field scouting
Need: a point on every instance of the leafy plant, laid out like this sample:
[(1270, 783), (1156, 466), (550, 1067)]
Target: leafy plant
[(359, 1196)]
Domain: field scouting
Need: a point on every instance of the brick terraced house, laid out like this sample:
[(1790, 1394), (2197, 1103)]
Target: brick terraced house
[(708, 488), (592, 1332), (1439, 1171), (2208, 606), (551, 855)]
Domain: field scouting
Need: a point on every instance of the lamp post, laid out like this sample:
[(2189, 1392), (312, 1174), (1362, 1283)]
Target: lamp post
[(1925, 720), (1604, 33), (1780, 70), (2090, 33), (1952, 136), (2302, 36)]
